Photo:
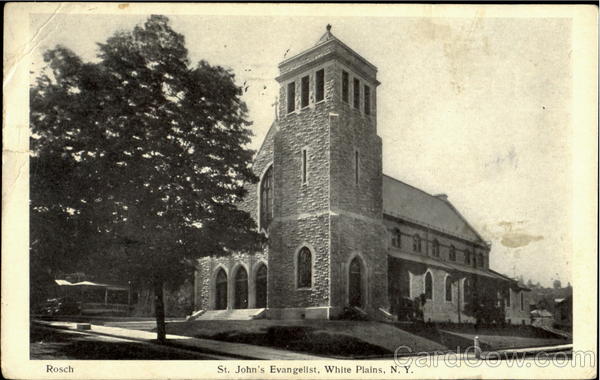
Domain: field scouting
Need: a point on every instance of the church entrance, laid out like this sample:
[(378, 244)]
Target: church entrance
[(241, 289), (261, 287), (221, 290), (355, 283)]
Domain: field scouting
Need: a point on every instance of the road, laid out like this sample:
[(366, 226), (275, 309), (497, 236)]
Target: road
[(59, 344)]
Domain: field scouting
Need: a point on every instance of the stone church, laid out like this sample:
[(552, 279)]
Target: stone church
[(342, 235)]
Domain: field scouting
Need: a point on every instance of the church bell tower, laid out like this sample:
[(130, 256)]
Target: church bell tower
[(327, 236)]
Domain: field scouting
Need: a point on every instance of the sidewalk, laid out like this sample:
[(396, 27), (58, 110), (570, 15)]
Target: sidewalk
[(240, 350)]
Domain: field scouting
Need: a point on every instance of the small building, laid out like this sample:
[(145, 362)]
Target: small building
[(542, 318), (96, 298)]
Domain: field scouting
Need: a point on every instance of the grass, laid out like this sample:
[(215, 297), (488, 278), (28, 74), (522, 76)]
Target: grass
[(342, 339), (361, 339)]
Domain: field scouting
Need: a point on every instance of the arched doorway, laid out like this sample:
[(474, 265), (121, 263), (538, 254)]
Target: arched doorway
[(221, 290), (355, 295), (241, 289), (261, 286)]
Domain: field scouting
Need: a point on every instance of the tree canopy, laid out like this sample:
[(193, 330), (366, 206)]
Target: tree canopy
[(138, 160)]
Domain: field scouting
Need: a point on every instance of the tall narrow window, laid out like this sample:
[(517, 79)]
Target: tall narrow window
[(291, 97), (522, 303), (304, 92), (345, 85), (356, 166), (467, 257), (367, 100), (480, 260), (221, 290), (356, 88), (266, 198), (241, 289), (396, 238), (416, 243), (509, 297), (436, 248), (304, 268), (428, 286), (448, 289), (304, 169), (467, 290), (320, 85), (452, 254)]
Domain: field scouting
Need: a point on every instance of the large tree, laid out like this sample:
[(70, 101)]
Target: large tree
[(138, 160)]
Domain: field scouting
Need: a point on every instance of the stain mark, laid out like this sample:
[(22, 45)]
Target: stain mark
[(123, 6), (510, 160), (513, 235), (518, 239)]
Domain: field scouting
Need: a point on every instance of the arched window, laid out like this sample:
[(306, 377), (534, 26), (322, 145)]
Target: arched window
[(261, 286), (396, 238), (428, 286), (355, 283), (416, 243), (221, 290), (266, 198), (448, 289), (452, 254), (241, 289), (467, 290), (435, 248), (304, 268)]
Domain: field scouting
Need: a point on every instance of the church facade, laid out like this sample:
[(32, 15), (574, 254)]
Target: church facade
[(341, 234)]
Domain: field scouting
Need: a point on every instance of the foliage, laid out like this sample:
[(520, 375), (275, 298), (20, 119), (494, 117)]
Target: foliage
[(138, 160)]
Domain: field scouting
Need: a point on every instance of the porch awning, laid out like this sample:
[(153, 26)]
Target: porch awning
[(478, 272), (89, 283), (419, 259), (426, 260)]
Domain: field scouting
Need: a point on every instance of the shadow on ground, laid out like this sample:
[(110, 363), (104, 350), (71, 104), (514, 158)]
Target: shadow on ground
[(56, 344), (305, 339)]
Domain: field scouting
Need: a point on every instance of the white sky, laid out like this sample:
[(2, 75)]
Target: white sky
[(477, 109)]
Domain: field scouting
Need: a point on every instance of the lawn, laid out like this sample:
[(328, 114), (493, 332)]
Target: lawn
[(342, 339), (360, 339)]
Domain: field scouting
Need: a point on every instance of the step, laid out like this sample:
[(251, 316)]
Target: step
[(232, 315)]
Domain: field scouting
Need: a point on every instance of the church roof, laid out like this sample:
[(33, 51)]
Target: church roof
[(414, 205)]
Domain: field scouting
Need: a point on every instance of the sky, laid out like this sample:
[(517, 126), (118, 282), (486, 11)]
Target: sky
[(476, 108)]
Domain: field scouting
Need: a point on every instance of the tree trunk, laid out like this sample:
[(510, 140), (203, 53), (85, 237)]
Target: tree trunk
[(159, 311)]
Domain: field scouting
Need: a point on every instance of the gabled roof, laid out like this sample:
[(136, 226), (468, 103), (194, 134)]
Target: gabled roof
[(414, 205)]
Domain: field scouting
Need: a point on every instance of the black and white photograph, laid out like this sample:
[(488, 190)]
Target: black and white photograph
[(299, 191)]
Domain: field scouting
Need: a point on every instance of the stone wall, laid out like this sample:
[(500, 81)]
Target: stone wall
[(207, 267), (287, 238), (352, 236)]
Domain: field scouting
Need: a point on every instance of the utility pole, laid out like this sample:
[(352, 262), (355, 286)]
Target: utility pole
[(458, 297)]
